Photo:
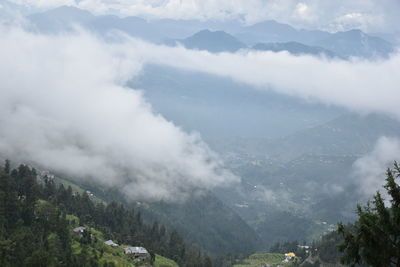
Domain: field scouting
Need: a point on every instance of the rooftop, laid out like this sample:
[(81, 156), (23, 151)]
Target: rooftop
[(139, 250), (110, 243)]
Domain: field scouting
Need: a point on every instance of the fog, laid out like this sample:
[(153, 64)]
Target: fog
[(63, 106), (358, 85), (370, 170)]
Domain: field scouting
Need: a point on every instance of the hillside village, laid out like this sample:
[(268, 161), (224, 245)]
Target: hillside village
[(135, 255)]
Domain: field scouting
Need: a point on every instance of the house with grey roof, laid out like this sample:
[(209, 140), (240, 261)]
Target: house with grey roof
[(111, 243), (137, 252)]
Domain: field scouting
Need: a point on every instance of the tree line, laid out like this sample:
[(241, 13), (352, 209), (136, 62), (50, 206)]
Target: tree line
[(35, 231)]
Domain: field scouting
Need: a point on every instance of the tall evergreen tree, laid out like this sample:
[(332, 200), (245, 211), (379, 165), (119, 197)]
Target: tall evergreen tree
[(375, 237), (7, 167)]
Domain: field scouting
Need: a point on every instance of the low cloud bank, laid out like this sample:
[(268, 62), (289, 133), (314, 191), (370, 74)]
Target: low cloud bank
[(370, 169), (358, 85), (63, 106)]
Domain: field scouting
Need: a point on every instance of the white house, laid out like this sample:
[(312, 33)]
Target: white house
[(137, 252)]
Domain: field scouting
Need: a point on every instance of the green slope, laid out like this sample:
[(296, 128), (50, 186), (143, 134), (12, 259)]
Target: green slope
[(204, 220), (207, 222), (105, 253), (260, 259)]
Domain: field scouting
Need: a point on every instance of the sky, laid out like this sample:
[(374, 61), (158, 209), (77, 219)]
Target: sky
[(338, 15)]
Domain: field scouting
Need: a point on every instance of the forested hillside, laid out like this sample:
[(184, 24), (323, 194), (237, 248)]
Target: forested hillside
[(37, 218), (204, 220)]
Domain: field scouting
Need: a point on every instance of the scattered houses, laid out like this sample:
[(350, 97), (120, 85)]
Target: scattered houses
[(111, 243), (137, 252)]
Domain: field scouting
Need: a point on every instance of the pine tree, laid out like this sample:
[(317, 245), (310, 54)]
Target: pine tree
[(8, 201), (375, 237), (176, 247), (7, 166), (207, 262)]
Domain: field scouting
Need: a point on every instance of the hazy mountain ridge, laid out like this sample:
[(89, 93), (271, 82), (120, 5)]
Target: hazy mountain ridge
[(349, 134), (356, 43), (294, 48), (191, 33), (215, 106)]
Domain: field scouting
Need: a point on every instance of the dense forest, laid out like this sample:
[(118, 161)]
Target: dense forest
[(203, 220), (36, 226)]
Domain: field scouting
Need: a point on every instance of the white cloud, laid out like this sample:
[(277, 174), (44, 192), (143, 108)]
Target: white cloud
[(359, 85), (369, 170), (63, 106), (303, 12), (356, 20), (377, 15)]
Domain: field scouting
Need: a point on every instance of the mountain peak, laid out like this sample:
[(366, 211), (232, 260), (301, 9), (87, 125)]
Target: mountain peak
[(209, 33), (69, 11), (213, 41), (62, 14)]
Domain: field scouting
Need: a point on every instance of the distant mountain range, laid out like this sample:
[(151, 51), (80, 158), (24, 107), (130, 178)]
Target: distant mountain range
[(356, 43), (220, 41), (220, 36)]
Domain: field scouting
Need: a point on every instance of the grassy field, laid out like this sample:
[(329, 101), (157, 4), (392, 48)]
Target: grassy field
[(164, 262), (258, 260)]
